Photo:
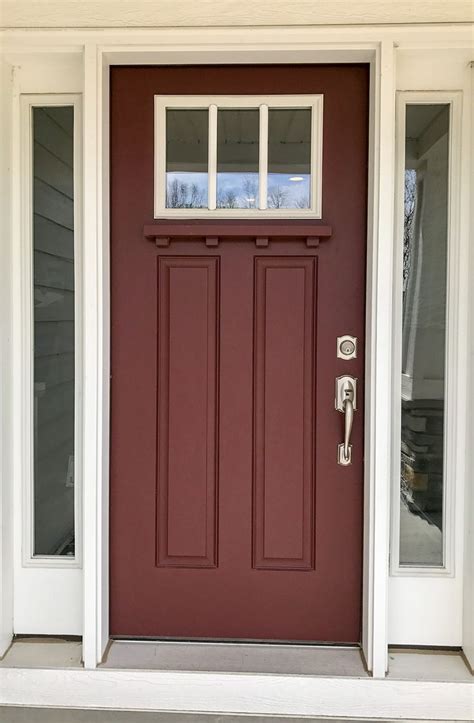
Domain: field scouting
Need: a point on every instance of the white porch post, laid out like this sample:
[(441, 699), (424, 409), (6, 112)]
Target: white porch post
[(468, 622), (9, 135), (379, 360), (96, 368)]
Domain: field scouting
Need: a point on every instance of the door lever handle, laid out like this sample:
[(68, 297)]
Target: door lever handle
[(348, 420), (346, 388)]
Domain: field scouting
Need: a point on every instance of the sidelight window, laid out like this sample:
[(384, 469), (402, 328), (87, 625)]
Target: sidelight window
[(52, 497), (238, 157), (423, 527)]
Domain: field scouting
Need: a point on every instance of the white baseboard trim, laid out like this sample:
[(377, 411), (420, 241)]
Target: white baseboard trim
[(237, 693)]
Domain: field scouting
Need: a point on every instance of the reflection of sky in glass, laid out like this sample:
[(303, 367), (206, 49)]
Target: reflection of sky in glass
[(237, 190), (186, 190), (285, 193)]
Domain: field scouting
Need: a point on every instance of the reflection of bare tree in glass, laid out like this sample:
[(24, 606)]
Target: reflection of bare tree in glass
[(409, 223), (196, 197), (243, 197), (250, 187), (183, 195), (277, 197), (302, 202), (227, 199)]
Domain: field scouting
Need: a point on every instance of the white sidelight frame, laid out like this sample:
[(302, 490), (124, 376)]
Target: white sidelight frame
[(55, 584), (95, 52), (262, 103), (413, 584), (447, 74), (26, 524), (57, 579)]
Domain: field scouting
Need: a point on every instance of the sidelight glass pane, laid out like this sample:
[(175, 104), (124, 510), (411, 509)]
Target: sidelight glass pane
[(424, 335), (289, 158), (237, 158), (186, 158), (53, 321)]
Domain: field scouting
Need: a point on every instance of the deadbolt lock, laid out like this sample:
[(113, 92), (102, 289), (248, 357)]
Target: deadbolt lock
[(347, 347)]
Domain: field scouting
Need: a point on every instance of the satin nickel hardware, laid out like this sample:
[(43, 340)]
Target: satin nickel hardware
[(347, 347), (346, 403)]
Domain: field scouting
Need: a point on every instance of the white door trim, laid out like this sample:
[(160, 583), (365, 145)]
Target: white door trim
[(379, 278)]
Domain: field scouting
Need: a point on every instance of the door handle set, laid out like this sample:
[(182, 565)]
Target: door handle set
[(346, 403)]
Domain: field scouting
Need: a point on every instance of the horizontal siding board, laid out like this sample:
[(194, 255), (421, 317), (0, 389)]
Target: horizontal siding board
[(188, 13), (52, 204), (53, 304), (53, 171), (52, 238), (54, 369), (53, 271), (52, 136), (57, 338), (62, 116)]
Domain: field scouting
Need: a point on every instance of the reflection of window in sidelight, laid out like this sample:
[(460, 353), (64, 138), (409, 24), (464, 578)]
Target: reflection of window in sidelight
[(424, 335), (54, 345)]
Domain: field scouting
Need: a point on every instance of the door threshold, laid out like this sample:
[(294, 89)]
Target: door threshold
[(234, 641), (235, 657)]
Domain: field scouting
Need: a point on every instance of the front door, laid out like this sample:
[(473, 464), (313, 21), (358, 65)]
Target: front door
[(232, 516)]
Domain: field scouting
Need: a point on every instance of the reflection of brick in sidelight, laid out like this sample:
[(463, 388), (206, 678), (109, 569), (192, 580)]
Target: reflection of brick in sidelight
[(422, 457)]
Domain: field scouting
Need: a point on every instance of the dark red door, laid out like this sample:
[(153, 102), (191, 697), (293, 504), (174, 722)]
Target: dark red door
[(230, 515)]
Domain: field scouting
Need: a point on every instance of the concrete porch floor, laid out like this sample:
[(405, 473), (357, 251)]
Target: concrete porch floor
[(405, 664)]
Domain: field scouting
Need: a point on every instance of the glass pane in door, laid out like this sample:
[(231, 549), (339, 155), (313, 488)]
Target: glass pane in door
[(186, 158), (237, 158), (289, 158)]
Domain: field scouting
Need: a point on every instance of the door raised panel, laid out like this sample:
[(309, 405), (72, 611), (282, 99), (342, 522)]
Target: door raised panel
[(284, 374), (188, 329)]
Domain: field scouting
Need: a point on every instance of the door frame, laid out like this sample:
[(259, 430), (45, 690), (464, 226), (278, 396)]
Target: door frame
[(96, 52), (380, 57)]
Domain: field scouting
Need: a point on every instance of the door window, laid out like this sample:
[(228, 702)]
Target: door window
[(238, 157)]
